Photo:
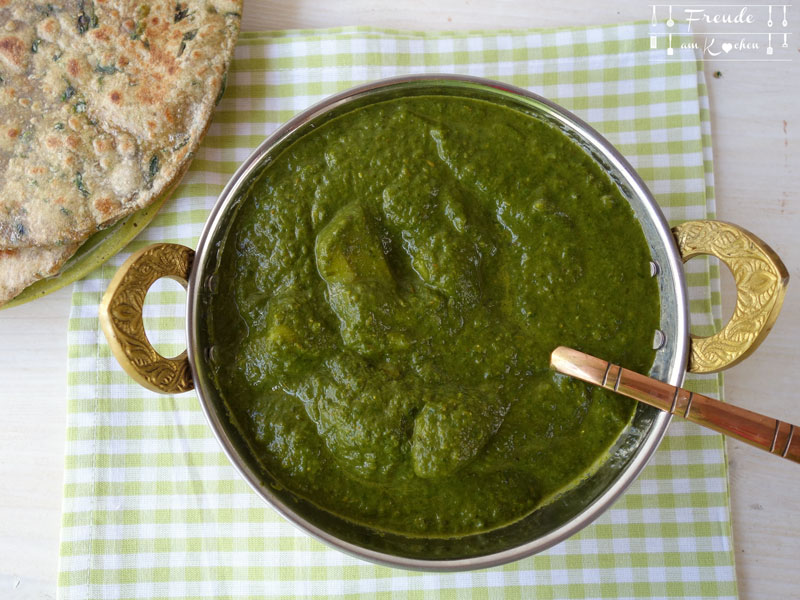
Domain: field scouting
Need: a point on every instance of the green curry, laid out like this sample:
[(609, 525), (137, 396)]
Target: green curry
[(389, 294)]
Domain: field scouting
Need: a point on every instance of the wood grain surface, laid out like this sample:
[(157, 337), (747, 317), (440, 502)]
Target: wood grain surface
[(755, 124)]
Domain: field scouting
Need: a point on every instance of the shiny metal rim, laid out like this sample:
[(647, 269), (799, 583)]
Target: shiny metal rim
[(674, 376)]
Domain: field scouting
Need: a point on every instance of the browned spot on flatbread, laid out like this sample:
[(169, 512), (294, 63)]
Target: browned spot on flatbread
[(52, 142), (104, 206), (73, 141), (100, 34), (13, 49), (50, 25), (164, 60), (115, 97), (37, 170), (13, 132), (102, 144), (144, 95), (123, 60), (154, 20), (73, 67)]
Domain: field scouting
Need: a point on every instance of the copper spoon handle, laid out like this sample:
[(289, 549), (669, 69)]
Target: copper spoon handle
[(772, 435)]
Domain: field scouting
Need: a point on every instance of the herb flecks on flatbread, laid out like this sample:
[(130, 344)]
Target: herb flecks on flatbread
[(102, 104)]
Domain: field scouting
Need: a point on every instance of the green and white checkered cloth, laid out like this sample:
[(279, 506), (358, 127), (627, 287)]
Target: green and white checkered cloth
[(153, 509)]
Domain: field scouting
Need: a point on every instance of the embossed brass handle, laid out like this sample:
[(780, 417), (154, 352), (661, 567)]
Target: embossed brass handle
[(121, 317), (772, 435), (761, 280)]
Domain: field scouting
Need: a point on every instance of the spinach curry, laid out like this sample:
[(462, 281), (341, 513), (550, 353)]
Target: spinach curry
[(389, 294)]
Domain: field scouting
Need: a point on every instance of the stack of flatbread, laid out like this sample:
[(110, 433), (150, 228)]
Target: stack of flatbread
[(102, 105)]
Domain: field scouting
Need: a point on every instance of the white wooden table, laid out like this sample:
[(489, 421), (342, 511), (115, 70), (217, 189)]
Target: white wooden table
[(756, 150)]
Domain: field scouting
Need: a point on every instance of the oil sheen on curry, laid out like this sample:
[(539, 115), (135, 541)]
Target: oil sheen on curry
[(390, 291)]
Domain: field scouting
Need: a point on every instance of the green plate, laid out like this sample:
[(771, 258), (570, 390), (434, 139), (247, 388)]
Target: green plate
[(93, 252)]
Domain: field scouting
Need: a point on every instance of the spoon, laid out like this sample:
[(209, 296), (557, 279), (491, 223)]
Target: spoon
[(670, 22), (784, 22), (772, 435), (769, 22)]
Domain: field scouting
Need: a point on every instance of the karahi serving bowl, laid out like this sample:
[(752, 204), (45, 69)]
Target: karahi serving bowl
[(574, 508)]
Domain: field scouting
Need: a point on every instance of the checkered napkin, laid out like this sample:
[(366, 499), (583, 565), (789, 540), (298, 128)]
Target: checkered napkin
[(153, 509)]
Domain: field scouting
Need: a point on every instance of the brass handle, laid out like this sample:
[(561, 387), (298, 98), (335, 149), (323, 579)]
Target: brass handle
[(121, 317), (761, 280), (772, 435)]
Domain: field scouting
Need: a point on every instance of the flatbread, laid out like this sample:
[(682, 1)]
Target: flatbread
[(19, 268), (102, 105)]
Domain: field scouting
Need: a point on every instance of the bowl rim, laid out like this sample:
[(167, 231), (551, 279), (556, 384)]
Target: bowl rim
[(652, 439)]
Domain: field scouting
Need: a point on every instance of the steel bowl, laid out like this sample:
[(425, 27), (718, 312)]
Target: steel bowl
[(569, 512)]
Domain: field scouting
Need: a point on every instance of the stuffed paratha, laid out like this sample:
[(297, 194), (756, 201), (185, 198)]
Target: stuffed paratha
[(102, 105)]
